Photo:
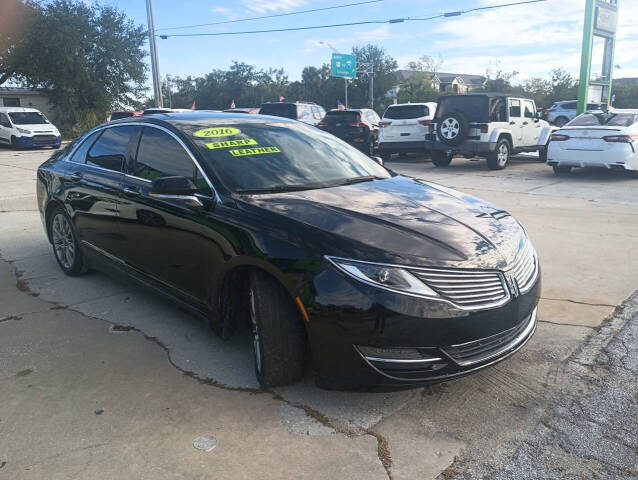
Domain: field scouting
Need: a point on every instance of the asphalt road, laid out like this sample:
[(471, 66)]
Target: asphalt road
[(99, 379)]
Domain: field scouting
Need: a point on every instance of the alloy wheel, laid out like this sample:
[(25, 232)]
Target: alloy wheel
[(503, 154), (450, 128), (63, 240)]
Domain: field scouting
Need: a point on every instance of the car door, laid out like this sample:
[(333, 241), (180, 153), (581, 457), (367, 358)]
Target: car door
[(516, 121), (164, 238), (91, 181), (5, 129), (531, 126)]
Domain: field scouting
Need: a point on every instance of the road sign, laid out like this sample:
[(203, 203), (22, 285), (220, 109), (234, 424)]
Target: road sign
[(344, 66)]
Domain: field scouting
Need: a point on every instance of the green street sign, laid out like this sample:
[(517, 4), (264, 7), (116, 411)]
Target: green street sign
[(344, 66)]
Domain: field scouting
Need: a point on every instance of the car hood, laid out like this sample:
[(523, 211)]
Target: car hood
[(39, 128), (401, 220)]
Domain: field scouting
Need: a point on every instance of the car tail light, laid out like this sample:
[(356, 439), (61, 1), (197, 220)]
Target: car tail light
[(483, 127), (621, 138), (556, 137), (385, 124), (358, 124), (322, 124), (359, 139), (425, 122)]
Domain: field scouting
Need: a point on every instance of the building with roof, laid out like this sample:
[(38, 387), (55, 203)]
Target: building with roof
[(448, 82), (28, 98)]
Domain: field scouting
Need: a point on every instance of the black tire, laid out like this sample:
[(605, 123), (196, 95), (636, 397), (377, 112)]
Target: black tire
[(440, 158), (561, 121), (453, 128), (64, 241), (14, 143), (498, 159), (561, 169), (278, 333), (371, 145), (56, 147), (386, 157), (542, 154)]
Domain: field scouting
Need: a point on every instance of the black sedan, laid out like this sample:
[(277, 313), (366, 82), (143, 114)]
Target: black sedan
[(323, 254)]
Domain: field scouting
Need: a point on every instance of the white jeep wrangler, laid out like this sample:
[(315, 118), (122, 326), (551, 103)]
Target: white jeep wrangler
[(494, 125)]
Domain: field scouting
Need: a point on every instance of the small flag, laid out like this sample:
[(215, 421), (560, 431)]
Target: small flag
[(281, 98), (232, 104), (193, 106), (340, 106)]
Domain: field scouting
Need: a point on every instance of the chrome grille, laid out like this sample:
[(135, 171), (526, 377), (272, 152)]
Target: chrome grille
[(525, 268), (470, 289)]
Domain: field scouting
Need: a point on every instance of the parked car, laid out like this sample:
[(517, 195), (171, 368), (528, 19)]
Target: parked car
[(596, 140), (357, 126), (403, 128), (310, 244), (27, 127), (562, 112), (123, 114), (307, 112), (494, 125), (250, 110)]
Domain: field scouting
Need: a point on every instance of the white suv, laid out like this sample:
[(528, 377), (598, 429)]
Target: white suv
[(494, 125), (27, 127), (403, 128)]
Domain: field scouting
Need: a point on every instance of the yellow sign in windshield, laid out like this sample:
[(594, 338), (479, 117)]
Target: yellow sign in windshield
[(217, 132), (242, 152), (231, 143)]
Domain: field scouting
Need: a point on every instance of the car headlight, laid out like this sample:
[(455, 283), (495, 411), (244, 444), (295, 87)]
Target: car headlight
[(387, 277), (22, 130)]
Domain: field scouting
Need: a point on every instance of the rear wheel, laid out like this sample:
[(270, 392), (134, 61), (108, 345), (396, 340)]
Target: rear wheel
[(497, 160), (371, 146), (278, 334), (440, 158), (65, 244), (561, 169), (561, 121), (542, 154)]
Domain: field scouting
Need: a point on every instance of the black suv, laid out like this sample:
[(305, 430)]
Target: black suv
[(307, 112), (359, 127)]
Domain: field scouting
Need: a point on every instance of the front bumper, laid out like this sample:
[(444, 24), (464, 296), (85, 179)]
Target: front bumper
[(40, 141), (355, 333)]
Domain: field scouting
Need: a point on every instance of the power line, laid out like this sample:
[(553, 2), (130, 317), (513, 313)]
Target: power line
[(334, 25), (273, 15)]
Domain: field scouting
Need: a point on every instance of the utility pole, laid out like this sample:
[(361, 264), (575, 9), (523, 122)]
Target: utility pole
[(157, 85)]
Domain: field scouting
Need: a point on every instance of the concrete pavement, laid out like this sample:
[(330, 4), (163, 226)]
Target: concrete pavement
[(57, 334)]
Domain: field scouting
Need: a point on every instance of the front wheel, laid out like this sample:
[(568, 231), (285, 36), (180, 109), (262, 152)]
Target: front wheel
[(14, 143), (497, 160), (65, 244), (278, 333), (440, 158)]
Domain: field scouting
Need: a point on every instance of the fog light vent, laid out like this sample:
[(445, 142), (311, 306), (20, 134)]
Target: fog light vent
[(396, 355)]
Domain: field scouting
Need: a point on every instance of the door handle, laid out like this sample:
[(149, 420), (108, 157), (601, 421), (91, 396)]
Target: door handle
[(512, 123), (525, 123), (128, 190)]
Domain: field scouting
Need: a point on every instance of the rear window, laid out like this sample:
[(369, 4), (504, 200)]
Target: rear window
[(341, 116), (118, 115), (605, 119), (285, 110), (475, 108), (405, 112), (569, 106)]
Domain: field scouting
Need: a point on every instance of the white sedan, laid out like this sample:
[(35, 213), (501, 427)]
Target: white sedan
[(596, 140)]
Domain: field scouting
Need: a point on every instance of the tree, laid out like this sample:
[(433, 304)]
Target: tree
[(499, 80), (384, 67), (426, 64), (89, 58), (418, 88), (15, 18)]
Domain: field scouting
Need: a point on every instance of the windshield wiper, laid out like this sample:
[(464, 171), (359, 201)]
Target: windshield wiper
[(277, 189), (366, 178)]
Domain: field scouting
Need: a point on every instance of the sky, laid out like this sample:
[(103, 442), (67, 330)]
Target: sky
[(530, 39)]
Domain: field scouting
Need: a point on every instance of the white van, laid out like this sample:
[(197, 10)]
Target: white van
[(403, 128), (27, 127)]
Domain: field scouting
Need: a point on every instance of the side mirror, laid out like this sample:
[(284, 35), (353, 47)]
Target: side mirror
[(379, 160), (173, 186)]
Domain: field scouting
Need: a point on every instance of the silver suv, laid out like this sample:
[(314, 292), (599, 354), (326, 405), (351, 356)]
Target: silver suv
[(493, 125), (562, 112)]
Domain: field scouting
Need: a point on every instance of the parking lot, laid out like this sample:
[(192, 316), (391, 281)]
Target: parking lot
[(100, 379)]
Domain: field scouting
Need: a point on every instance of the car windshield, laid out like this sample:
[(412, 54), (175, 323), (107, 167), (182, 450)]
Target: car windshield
[(405, 112), (285, 110), (339, 116), (475, 108), (27, 118), (259, 157), (606, 119)]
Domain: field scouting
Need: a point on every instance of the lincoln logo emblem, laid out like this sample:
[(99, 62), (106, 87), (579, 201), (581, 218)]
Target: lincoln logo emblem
[(513, 284)]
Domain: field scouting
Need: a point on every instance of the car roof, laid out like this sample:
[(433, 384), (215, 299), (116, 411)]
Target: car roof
[(411, 103), (208, 117), (18, 109)]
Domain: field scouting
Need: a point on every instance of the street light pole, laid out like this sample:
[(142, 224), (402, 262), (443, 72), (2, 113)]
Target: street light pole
[(157, 85)]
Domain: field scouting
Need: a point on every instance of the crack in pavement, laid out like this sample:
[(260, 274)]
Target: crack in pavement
[(383, 449), (579, 302)]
